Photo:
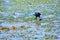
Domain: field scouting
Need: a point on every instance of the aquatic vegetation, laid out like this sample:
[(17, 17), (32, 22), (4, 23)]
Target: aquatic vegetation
[(29, 19), (2, 9), (48, 29), (13, 28), (37, 22), (58, 27), (50, 37)]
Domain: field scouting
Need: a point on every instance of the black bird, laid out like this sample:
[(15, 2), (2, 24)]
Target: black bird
[(37, 14)]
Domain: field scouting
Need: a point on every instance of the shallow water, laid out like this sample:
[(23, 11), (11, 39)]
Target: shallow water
[(46, 29)]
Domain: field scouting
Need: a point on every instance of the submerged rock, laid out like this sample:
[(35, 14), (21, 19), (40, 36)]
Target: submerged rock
[(4, 28), (13, 28), (22, 27)]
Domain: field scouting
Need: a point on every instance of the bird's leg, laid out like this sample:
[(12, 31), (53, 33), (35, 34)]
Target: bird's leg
[(36, 18), (39, 17)]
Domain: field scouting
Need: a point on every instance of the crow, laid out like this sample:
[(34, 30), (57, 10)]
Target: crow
[(37, 14)]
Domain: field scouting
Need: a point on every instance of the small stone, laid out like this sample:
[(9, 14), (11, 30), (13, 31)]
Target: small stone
[(13, 28), (4, 28), (40, 19), (22, 27)]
